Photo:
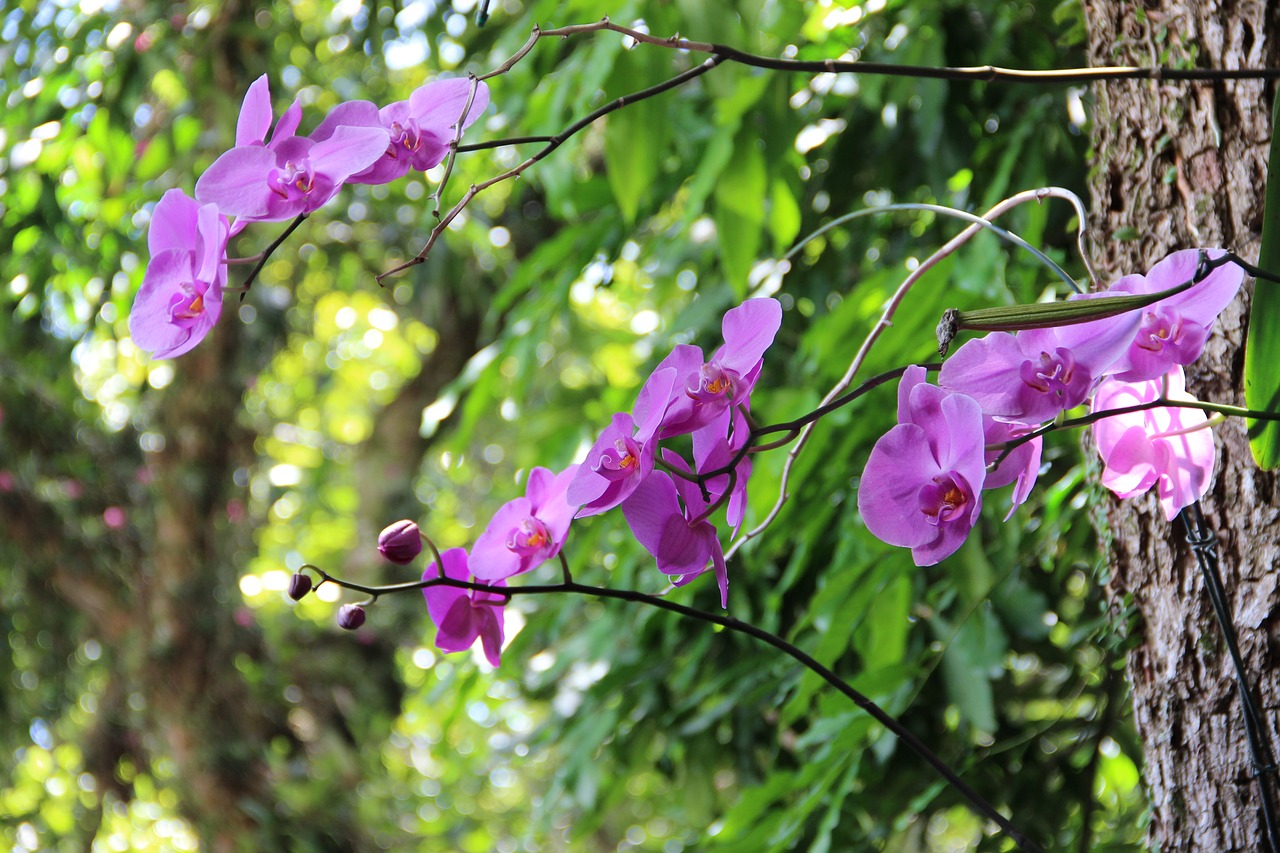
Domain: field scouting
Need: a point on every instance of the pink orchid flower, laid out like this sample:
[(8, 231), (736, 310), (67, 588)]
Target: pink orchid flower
[(1032, 375), (1173, 331), (527, 531), (181, 294), (1170, 448), (419, 130), (623, 455), (922, 486), (290, 175), (706, 389), (464, 615)]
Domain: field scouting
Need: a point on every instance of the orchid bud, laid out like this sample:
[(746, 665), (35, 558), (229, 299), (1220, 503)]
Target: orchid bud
[(299, 586), (350, 617), (400, 542)]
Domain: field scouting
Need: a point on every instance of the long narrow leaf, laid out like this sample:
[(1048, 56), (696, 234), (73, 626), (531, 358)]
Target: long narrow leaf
[(1262, 347)]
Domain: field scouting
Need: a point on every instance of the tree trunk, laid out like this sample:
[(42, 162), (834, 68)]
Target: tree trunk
[(1181, 165)]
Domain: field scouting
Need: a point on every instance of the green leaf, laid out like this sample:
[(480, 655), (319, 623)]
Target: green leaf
[(973, 653), (632, 145), (635, 138), (784, 216), (1262, 347), (739, 213)]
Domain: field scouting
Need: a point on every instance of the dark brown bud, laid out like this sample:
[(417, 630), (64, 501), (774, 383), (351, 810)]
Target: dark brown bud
[(299, 586)]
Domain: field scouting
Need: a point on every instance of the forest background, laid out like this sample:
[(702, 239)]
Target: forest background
[(162, 691)]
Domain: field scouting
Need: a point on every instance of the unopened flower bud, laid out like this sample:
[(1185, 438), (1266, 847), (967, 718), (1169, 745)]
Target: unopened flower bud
[(299, 586), (400, 542), (350, 617)]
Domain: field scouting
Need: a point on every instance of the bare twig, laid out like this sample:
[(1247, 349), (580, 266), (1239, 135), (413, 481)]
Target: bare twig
[(554, 143), (719, 53)]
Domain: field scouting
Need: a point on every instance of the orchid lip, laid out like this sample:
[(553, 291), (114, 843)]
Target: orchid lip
[(942, 500), (407, 136), (714, 382), (1053, 373), (292, 177), (1159, 333), (193, 310), (529, 538), (187, 305), (620, 461)]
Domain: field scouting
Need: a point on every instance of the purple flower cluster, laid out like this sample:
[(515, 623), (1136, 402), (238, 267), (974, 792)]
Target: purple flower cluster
[(273, 174), (924, 480), (923, 483), (668, 511)]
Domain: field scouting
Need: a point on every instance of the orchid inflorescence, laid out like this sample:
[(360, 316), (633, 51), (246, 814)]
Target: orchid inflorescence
[(273, 174), (922, 487), (668, 508), (1121, 352), (978, 428)]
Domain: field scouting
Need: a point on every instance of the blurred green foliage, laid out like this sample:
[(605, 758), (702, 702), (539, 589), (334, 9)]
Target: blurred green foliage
[(607, 726)]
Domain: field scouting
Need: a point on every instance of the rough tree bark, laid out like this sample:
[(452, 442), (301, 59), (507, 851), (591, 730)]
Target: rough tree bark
[(1180, 165)]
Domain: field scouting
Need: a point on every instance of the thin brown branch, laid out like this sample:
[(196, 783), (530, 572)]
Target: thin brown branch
[(554, 143)]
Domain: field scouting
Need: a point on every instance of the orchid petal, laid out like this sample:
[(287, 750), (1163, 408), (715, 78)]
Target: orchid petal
[(911, 377), (891, 481), (348, 114), (490, 558), (652, 402), (490, 628), (212, 243), (722, 575), (438, 105), (749, 330), (287, 126), (457, 630), (347, 151), (982, 369), (649, 508), (237, 182), (255, 114), (174, 223)]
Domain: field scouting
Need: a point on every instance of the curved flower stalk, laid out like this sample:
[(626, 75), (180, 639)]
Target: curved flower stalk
[(1167, 447), (180, 299)]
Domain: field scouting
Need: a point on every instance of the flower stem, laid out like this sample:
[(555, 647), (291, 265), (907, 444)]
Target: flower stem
[(266, 254), (979, 803)]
